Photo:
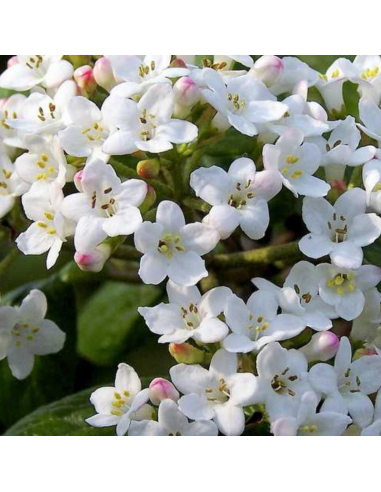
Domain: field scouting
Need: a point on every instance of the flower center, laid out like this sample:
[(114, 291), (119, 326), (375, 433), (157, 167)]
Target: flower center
[(306, 298), (342, 283), (169, 245), (238, 104), (291, 168), (106, 203), (145, 70), (219, 394), (121, 403), (338, 228), (282, 384), (34, 62), (370, 73), (242, 194), (47, 225), (257, 326), (95, 134), (48, 171), (349, 382), (147, 126), (7, 116), (24, 334), (191, 317), (3, 184)]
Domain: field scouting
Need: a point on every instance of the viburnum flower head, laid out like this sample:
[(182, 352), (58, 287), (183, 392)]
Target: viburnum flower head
[(300, 297), (50, 71), (106, 207), (340, 231), (344, 289), (189, 315), (173, 249), (218, 394), (43, 205), (346, 386), (309, 423), (138, 75), (295, 163), (146, 125), (172, 422), (120, 405), (243, 103), (238, 197), (25, 333), (258, 323)]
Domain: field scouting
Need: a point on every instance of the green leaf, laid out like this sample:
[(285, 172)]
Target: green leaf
[(66, 417), (110, 325), (373, 254), (233, 145), (53, 376)]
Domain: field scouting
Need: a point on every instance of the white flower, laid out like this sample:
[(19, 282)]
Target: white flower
[(245, 60), (282, 380), (344, 289), (258, 323), (218, 394), (331, 84), (43, 205), (372, 184), (41, 114), (374, 430), (340, 231), (50, 71), (172, 422), (25, 333), (11, 185), (121, 405), (370, 115), (239, 197), (300, 297), (366, 71), (45, 161), (11, 108), (146, 125), (308, 117), (189, 315), (243, 103), (106, 207), (174, 249), (367, 327), (86, 130), (294, 70), (139, 75), (341, 149), (296, 163), (346, 386), (309, 423)]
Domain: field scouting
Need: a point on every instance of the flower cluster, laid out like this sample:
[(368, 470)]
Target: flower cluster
[(113, 153)]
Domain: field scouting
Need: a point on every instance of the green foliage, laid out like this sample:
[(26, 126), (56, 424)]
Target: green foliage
[(109, 324)]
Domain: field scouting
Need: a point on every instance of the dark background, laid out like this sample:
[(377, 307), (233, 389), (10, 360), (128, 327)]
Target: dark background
[(3, 61)]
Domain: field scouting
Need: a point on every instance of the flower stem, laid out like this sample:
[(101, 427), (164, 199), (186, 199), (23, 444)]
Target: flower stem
[(8, 260)]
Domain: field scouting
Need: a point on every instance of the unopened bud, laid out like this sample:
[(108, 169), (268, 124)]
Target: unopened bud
[(103, 74), (178, 63), (148, 169), (268, 69), (150, 200), (93, 261), (12, 61), (78, 180), (322, 347), (364, 352), (187, 94), (161, 389), (84, 77), (186, 354)]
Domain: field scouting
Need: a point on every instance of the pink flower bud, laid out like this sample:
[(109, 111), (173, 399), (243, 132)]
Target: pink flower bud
[(161, 389), (93, 261), (78, 180), (178, 63), (187, 92), (148, 169), (84, 77), (12, 61), (186, 354), (322, 347), (103, 74), (268, 68)]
